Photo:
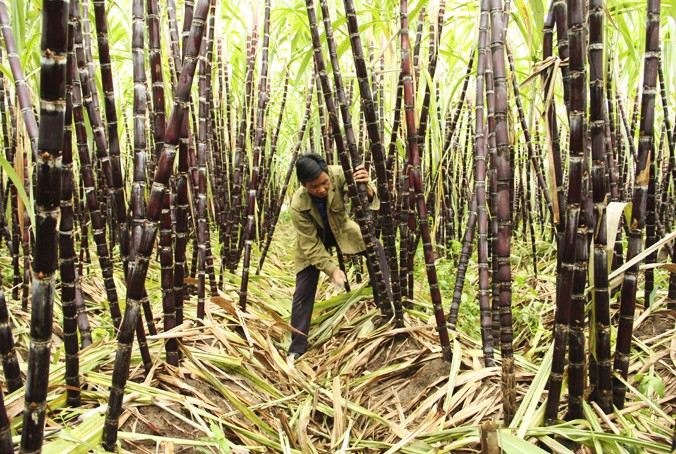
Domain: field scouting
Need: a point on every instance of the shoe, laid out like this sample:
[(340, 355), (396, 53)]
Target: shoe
[(292, 357)]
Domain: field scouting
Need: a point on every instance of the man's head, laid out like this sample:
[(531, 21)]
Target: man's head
[(313, 173)]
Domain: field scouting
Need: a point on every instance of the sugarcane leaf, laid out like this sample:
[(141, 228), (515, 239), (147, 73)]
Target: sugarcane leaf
[(456, 361), (540, 68), (515, 445), (526, 415), (615, 277), (671, 267), (18, 183), (595, 424), (81, 439), (614, 212)]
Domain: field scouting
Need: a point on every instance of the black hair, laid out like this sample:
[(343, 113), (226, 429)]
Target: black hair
[(309, 166)]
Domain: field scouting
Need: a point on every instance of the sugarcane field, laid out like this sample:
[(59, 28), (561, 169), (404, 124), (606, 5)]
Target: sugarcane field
[(386, 226)]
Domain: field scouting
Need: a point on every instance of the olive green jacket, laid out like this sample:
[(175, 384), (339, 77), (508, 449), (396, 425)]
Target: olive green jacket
[(309, 227)]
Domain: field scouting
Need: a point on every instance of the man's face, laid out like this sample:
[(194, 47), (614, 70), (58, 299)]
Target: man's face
[(319, 187)]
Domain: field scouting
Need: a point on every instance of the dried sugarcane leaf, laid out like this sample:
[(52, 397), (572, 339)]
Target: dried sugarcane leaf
[(614, 212)]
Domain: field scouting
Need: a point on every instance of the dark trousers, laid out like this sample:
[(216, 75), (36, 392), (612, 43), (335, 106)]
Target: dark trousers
[(304, 301)]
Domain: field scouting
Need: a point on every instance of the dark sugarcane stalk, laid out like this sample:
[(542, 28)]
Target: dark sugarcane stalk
[(538, 151), (159, 134), (464, 165), (651, 235), (87, 174), (613, 171), (214, 144), (362, 211), (174, 50), (22, 219), (380, 90), (374, 249), (167, 276), (529, 212), (87, 41), (671, 296), (140, 161), (159, 122), (600, 318), (627, 128), (22, 226), (5, 429), (459, 104), (85, 256), (266, 169), (219, 145), (478, 206), (324, 124), (619, 153), (249, 230), (54, 46), (662, 183), (465, 253), (4, 226), (394, 135), (639, 200), (202, 224), (389, 167), (503, 215), (182, 197), (146, 359), (667, 123), (67, 262), (412, 230), (192, 172), (569, 254), (102, 155), (139, 267), (611, 164), (576, 339), (578, 105), (5, 192), (90, 98), (368, 104), (13, 200), (117, 188), (404, 235), (26, 244), (223, 120), (493, 193), (292, 161), (19, 81), (435, 38), (418, 44), (227, 120), (552, 124), (470, 228), (250, 99), (82, 321), (560, 8), (232, 230), (631, 132), (542, 184), (10, 359), (415, 180)]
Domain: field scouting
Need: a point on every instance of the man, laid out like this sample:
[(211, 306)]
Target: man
[(320, 217)]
